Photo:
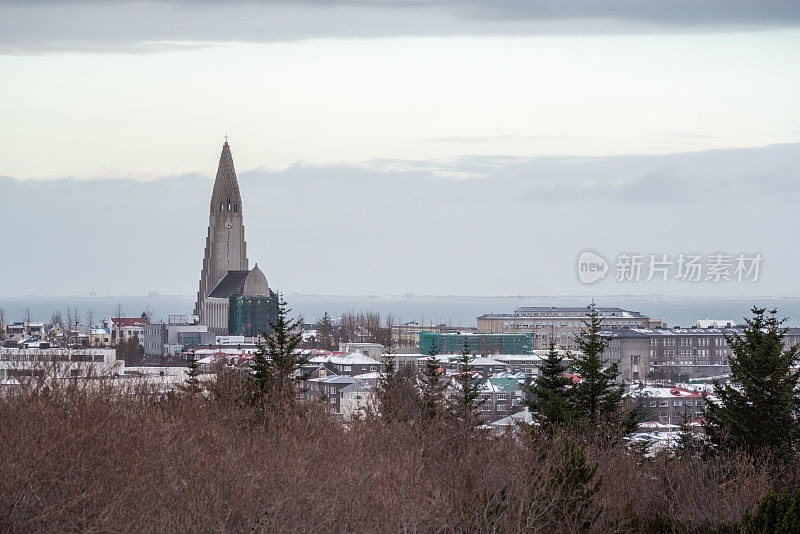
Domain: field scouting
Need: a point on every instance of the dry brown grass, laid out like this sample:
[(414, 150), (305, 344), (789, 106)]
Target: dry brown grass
[(102, 461)]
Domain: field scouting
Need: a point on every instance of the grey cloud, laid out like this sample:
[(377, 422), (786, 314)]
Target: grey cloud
[(147, 27), (357, 229)]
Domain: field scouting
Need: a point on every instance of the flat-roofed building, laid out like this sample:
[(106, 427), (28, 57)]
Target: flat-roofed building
[(559, 325), (18, 365), (675, 354)]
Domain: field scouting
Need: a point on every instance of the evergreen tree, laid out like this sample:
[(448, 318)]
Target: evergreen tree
[(396, 394), (688, 444), (276, 365), (756, 412), (571, 491), (548, 397), (597, 396), (192, 383), (466, 401), (325, 331), (774, 514), (432, 390), (386, 392)]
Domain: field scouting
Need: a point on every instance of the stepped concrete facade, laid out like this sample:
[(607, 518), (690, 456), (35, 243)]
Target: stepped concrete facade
[(231, 299), (226, 249)]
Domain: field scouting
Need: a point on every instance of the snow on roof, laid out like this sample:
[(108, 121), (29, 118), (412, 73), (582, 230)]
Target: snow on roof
[(496, 384), (653, 391), (517, 357), (372, 375), (657, 426), (338, 358), (519, 417), (484, 361), (335, 379)]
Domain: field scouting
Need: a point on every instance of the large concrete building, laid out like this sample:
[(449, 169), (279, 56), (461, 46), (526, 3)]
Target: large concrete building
[(231, 299), (559, 324), (675, 354)]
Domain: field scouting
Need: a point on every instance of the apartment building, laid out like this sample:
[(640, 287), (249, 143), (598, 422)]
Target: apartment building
[(559, 325), (675, 354), (17, 364), (668, 405)]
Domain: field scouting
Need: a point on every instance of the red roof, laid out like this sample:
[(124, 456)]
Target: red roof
[(128, 321)]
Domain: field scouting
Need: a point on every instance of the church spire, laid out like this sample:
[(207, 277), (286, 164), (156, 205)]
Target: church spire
[(226, 249), (226, 197)]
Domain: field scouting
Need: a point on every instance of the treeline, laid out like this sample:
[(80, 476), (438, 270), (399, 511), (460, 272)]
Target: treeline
[(353, 327), (240, 452)]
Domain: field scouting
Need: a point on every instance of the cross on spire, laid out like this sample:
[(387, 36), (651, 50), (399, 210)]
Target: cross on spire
[(226, 138)]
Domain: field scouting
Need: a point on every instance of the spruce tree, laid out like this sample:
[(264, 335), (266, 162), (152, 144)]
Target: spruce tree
[(276, 365), (396, 395), (192, 383), (548, 398), (466, 401), (432, 388), (325, 328), (597, 397), (756, 412), (572, 489), (687, 444)]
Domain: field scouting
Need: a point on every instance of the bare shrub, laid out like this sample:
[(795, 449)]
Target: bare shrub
[(96, 459)]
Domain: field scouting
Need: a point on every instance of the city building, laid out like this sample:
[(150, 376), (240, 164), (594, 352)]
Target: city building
[(668, 405), (352, 364), (675, 354), (481, 343), (20, 364), (181, 332), (26, 334), (501, 397), (242, 304), (231, 299), (559, 325), (344, 396), (124, 328), (407, 334), (373, 350)]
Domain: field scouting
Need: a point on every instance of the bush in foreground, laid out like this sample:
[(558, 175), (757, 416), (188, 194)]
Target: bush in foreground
[(77, 460)]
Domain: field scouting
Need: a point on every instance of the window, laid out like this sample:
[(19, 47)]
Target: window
[(221, 207), (235, 207), (229, 203)]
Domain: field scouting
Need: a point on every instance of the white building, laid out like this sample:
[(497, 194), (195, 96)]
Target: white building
[(58, 364)]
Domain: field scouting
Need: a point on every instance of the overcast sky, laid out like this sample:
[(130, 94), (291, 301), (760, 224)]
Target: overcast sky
[(404, 146)]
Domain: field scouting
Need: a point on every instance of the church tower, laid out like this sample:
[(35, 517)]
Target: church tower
[(226, 249)]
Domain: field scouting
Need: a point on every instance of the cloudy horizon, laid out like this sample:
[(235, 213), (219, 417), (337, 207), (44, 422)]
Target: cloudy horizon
[(398, 146)]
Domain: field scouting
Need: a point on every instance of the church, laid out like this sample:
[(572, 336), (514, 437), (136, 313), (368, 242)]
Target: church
[(232, 299)]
